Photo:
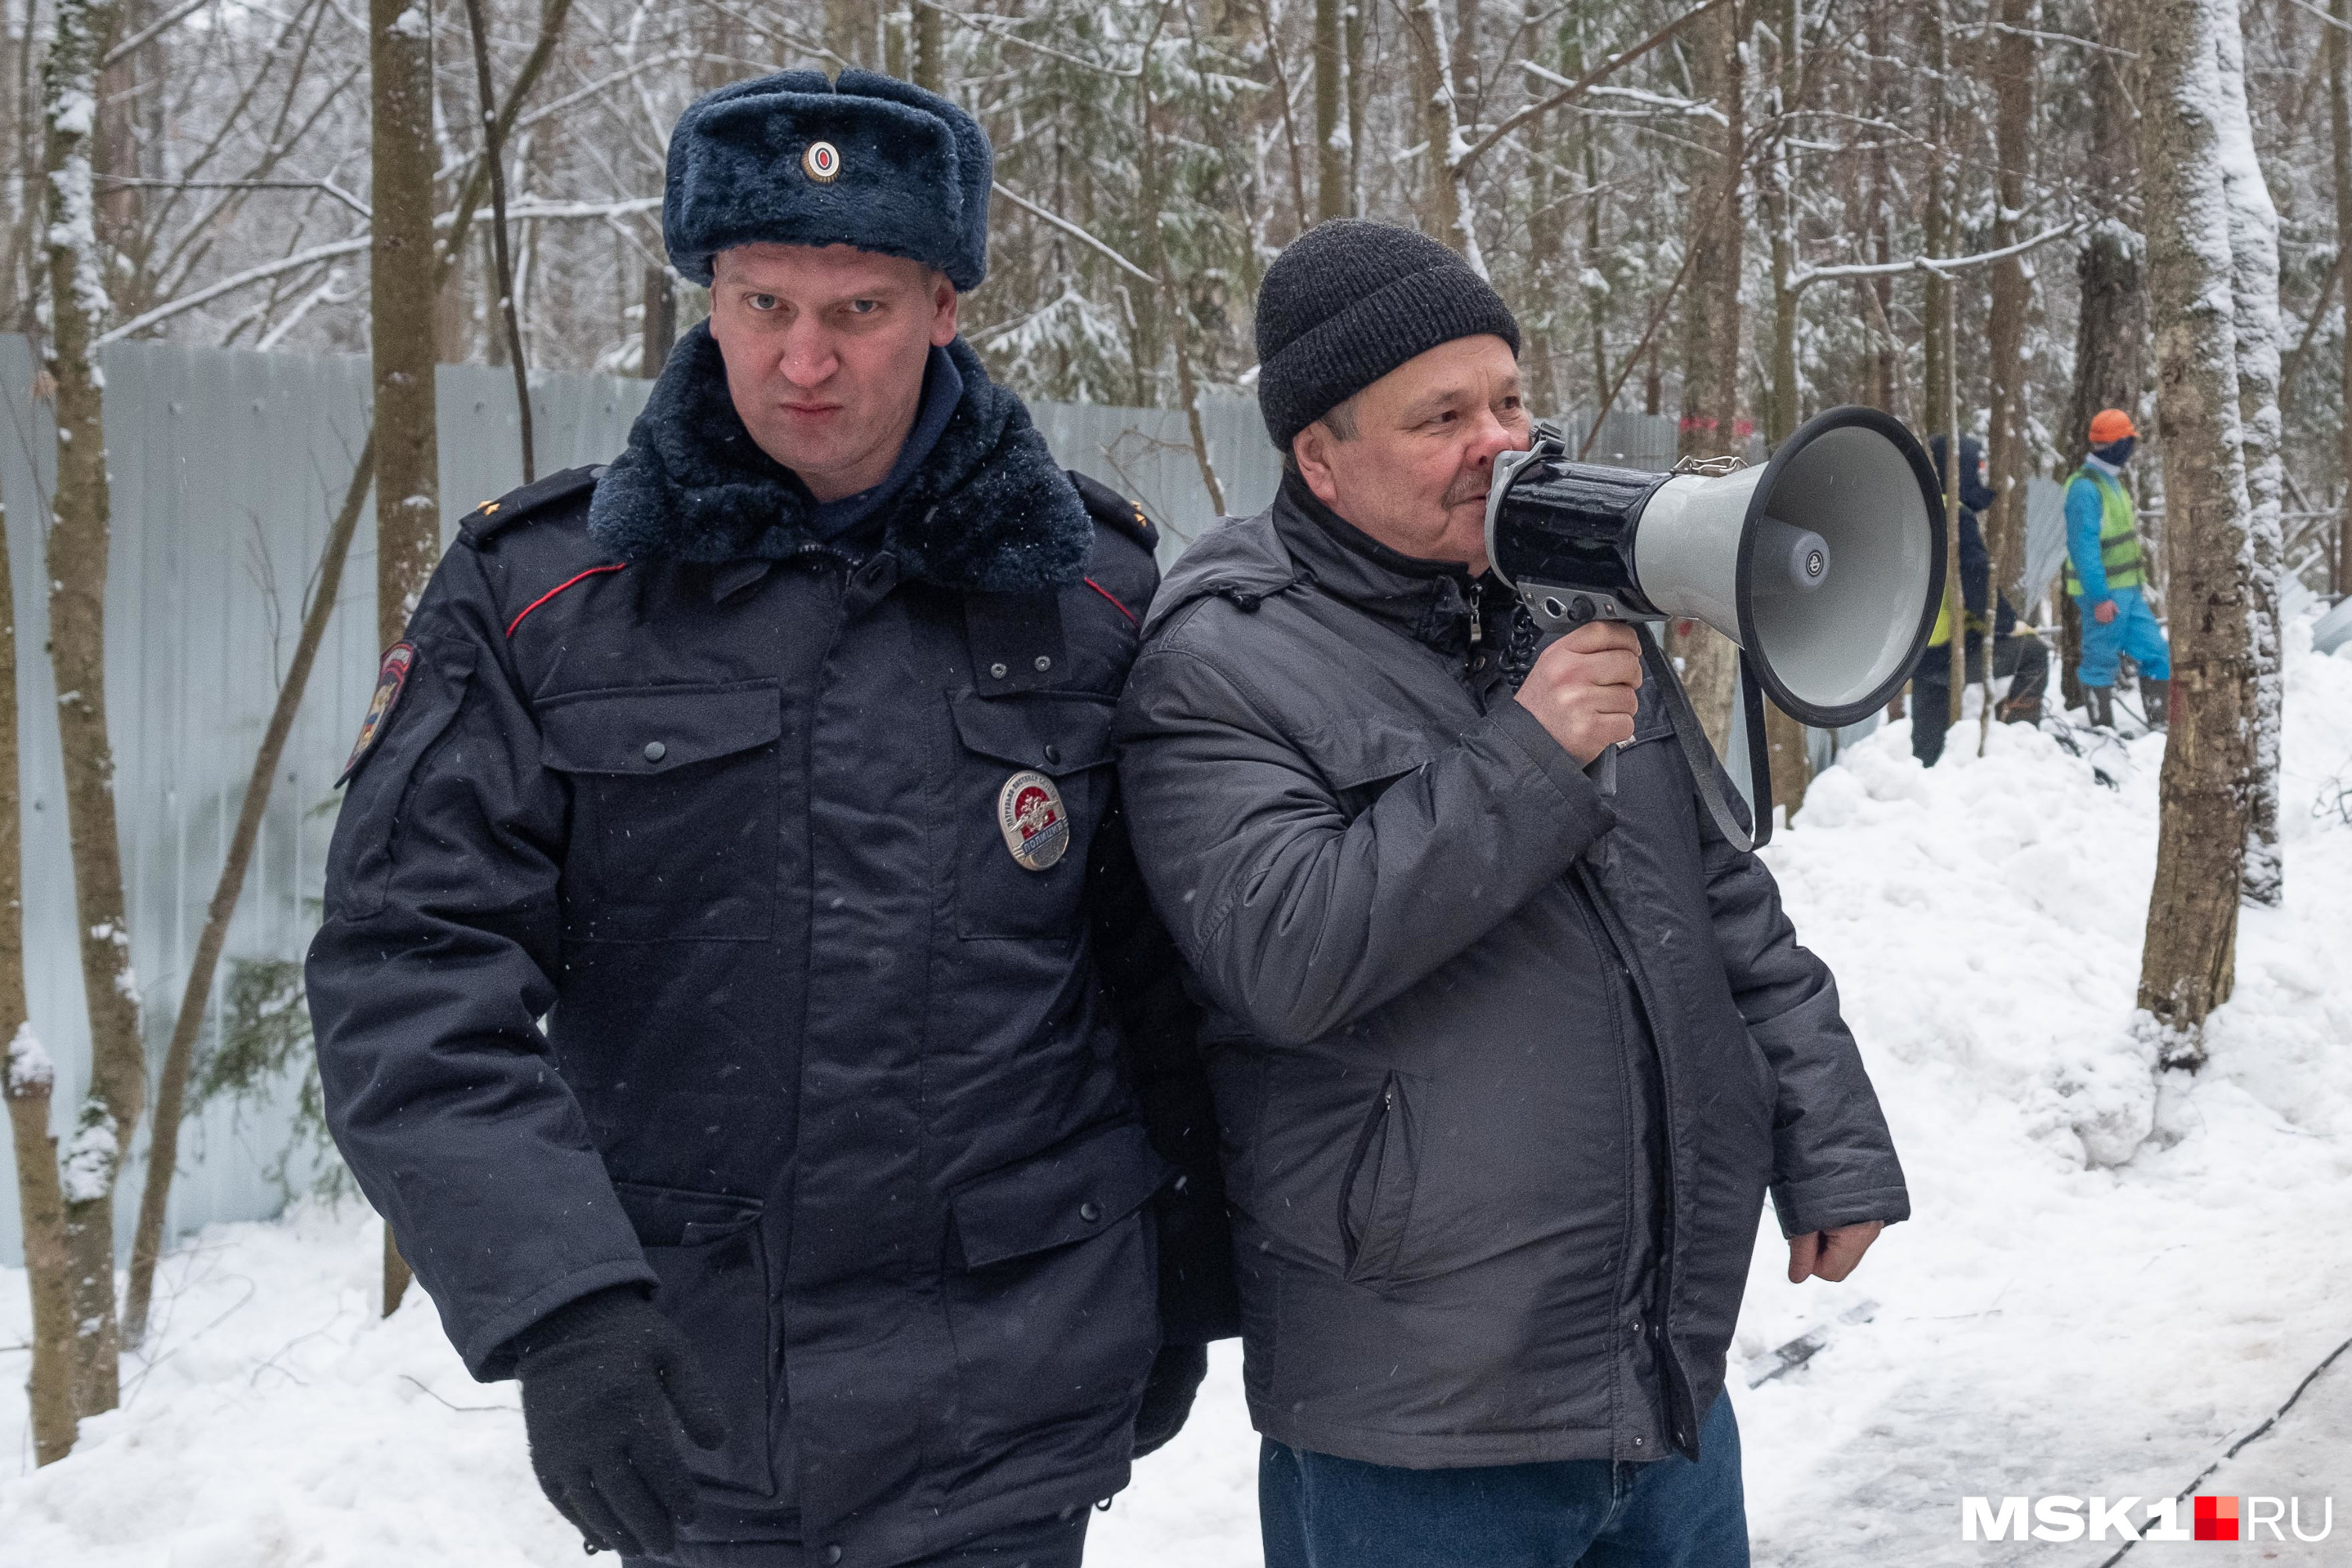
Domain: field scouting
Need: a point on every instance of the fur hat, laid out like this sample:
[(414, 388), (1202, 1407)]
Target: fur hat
[(792, 159)]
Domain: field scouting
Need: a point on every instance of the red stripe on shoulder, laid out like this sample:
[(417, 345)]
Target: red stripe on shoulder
[(1115, 605), (581, 577)]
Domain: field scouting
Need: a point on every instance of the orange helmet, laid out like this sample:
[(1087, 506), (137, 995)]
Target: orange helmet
[(2109, 425)]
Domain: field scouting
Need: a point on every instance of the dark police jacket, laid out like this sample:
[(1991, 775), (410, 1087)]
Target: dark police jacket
[(676, 935), (1504, 1066)]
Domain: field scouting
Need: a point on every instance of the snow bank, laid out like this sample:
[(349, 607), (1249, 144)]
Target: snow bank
[(2107, 1279)]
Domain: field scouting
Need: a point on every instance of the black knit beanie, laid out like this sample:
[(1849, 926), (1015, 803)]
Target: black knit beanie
[(1350, 301)]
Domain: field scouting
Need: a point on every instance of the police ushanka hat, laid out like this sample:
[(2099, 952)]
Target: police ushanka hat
[(794, 159)]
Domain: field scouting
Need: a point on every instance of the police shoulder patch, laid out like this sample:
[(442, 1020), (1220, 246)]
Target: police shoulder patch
[(391, 680), (1115, 511), (492, 518)]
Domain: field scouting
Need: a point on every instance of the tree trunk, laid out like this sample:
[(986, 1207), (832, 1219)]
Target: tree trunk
[(2340, 118), (2188, 964), (1330, 104), (172, 1085), (400, 319), (931, 49), (2007, 434), (1784, 736), (494, 160), (26, 1079), (1941, 316), (1445, 212), (77, 566), (660, 324), (2254, 289), (1708, 662)]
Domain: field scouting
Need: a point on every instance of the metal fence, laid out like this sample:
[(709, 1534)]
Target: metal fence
[(227, 468)]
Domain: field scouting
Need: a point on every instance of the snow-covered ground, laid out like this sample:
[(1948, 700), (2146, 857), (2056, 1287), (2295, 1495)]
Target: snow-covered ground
[(2108, 1281)]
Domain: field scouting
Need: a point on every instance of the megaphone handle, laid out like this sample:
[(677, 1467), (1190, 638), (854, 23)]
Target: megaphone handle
[(1700, 755), (1759, 750)]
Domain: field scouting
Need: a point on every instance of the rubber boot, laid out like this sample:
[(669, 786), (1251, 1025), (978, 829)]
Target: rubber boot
[(2155, 701), (2100, 701)]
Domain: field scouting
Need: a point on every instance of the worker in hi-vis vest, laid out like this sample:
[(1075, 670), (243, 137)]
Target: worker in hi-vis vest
[(2105, 573)]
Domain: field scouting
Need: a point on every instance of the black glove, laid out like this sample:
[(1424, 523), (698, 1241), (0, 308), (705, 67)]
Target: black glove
[(609, 1386), (1176, 1374)]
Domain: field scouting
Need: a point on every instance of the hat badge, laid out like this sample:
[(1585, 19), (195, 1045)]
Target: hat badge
[(822, 163)]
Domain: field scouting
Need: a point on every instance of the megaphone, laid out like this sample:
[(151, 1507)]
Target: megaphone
[(1825, 565)]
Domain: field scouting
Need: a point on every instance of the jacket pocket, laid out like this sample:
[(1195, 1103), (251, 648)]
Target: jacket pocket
[(675, 823), (1062, 738), (708, 1253), (1051, 1296), (1376, 1190)]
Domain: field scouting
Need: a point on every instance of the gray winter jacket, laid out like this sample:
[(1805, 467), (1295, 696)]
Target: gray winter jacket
[(1503, 1068)]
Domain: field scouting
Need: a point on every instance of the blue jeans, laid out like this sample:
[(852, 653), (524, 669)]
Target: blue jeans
[(2134, 631), (1319, 1511)]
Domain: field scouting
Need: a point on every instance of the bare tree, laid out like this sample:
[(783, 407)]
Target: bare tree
[(2188, 964), (2007, 433), (2339, 120), (405, 278), (1708, 662), (1330, 100), (27, 1080), (77, 567)]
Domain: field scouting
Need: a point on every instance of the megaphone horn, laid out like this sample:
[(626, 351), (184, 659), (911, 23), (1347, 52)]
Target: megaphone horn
[(1825, 565)]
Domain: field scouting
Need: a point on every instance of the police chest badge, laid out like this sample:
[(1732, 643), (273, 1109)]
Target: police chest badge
[(1035, 825), (391, 680)]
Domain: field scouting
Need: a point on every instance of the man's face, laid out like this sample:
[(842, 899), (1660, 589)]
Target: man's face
[(1415, 473), (825, 351)]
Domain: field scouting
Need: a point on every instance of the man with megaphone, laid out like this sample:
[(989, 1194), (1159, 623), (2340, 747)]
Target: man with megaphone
[(1505, 1057)]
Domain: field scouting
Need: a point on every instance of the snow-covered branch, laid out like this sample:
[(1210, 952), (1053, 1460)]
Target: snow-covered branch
[(1941, 266), (1072, 230)]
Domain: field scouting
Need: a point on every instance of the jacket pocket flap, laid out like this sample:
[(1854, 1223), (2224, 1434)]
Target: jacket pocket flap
[(1374, 753), (653, 729), (1057, 733), (672, 1217), (1067, 1193)]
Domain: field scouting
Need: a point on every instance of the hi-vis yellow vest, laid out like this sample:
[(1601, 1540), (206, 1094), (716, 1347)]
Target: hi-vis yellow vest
[(2119, 550)]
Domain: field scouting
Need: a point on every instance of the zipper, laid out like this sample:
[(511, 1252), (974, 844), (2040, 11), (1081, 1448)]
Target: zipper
[(1477, 614)]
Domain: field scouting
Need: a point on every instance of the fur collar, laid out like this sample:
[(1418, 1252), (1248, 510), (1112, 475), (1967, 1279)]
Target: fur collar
[(988, 511)]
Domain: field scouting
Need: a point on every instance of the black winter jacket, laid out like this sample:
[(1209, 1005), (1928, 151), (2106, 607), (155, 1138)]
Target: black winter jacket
[(726, 810), (1460, 1004)]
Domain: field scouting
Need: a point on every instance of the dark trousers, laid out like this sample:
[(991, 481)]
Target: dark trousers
[(1323, 1513), (1056, 1543), (2023, 660)]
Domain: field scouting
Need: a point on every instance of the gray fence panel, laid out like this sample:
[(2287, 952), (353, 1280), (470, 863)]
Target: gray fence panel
[(227, 467)]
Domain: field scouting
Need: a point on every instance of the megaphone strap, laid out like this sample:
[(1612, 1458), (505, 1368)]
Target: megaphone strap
[(1700, 754)]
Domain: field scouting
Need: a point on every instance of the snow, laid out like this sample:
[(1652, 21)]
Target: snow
[(28, 1067), (88, 1163), (2108, 1280)]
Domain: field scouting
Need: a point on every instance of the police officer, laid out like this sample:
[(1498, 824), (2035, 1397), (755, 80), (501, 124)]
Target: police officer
[(735, 991)]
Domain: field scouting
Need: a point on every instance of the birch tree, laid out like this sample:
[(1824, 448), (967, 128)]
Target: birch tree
[(2187, 963), (78, 552), (2254, 319)]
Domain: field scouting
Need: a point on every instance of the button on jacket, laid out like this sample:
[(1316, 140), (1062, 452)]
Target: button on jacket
[(724, 807), (1503, 1069)]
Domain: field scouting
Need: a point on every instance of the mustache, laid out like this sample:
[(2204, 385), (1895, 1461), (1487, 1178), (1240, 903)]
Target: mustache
[(1464, 491)]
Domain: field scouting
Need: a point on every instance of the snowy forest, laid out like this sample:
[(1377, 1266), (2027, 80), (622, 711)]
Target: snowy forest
[(2097, 971)]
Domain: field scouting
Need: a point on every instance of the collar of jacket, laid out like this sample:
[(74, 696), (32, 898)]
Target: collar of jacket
[(1429, 600), (988, 512)]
